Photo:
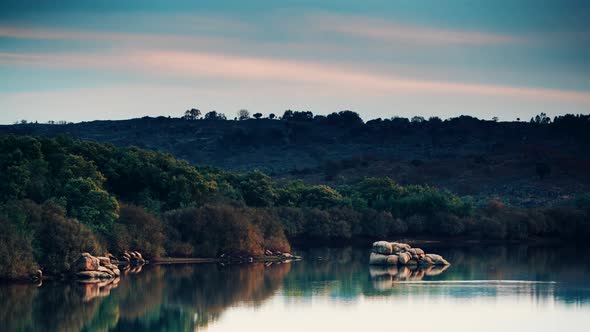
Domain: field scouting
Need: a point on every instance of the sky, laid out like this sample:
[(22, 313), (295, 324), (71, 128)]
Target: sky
[(83, 60)]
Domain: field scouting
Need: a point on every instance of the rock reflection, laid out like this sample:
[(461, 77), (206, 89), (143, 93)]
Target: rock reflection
[(93, 289), (384, 277)]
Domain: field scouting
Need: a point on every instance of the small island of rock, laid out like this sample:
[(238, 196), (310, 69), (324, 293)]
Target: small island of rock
[(395, 253)]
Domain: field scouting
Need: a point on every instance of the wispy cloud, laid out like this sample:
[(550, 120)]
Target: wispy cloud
[(165, 63), (184, 63), (118, 38), (392, 31), (182, 26), (187, 28)]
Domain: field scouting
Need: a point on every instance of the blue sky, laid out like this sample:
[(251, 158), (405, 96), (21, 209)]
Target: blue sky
[(83, 60)]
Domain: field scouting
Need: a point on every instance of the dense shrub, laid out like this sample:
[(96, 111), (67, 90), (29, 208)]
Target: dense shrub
[(256, 188), (449, 224), (570, 223), (317, 224), (375, 224), (504, 222), (90, 204), (489, 228), (136, 229), (416, 224), (16, 252), (292, 220), (212, 230), (42, 235), (428, 201), (61, 239), (271, 229)]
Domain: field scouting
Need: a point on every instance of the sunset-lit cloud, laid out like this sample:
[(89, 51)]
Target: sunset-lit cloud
[(162, 63), (392, 31), (280, 70), (118, 38)]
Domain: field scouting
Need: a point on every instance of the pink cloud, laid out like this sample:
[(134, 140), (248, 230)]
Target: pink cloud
[(164, 64), (391, 31), (247, 68), (135, 40)]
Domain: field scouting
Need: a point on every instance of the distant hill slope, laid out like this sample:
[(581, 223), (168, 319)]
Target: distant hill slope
[(521, 163)]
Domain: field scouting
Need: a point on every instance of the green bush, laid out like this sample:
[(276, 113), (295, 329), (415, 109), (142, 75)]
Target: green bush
[(90, 204), (489, 228), (61, 240), (416, 224), (449, 224)]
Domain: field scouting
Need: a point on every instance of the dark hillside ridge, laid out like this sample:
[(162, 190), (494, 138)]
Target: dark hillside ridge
[(522, 163)]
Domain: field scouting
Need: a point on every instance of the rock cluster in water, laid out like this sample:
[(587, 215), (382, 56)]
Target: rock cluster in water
[(89, 267), (396, 253)]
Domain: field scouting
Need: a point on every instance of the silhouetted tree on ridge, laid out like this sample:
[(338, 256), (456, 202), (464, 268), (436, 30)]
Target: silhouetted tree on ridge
[(243, 114), (192, 114), (213, 115)]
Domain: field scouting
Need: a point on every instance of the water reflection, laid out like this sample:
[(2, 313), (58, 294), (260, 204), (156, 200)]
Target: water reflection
[(193, 297), (384, 277)]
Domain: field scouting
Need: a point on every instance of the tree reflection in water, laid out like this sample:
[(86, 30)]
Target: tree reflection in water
[(190, 297)]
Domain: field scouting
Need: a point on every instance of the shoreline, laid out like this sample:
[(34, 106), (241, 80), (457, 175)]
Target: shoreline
[(317, 243), (243, 260), (166, 261), (310, 243)]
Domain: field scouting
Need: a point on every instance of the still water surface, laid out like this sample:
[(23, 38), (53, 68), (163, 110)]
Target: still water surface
[(494, 288)]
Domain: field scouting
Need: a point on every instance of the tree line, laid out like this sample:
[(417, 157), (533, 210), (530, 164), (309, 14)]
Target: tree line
[(353, 117)]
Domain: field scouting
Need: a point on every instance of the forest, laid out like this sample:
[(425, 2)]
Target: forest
[(62, 196)]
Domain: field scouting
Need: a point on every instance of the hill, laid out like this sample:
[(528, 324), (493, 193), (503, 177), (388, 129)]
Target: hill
[(521, 163)]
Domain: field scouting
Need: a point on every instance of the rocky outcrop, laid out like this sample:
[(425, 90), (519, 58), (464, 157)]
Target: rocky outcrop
[(129, 258), (395, 253), (97, 268), (86, 262)]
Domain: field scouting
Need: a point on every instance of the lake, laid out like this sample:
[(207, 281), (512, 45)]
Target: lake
[(487, 288)]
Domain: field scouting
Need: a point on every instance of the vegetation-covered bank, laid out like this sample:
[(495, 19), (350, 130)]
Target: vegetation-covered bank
[(59, 197)]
